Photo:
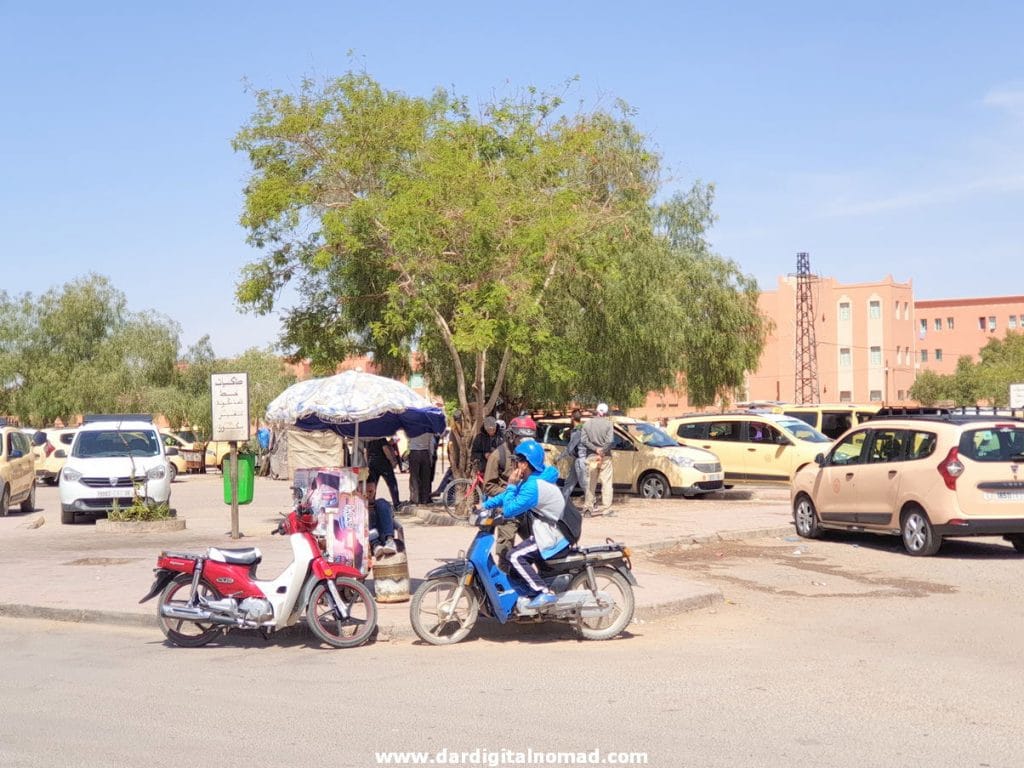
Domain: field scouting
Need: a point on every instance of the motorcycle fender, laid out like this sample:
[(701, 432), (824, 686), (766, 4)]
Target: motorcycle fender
[(163, 578), (627, 574), (451, 568)]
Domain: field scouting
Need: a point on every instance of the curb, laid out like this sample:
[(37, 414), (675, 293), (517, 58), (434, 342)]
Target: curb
[(78, 615)]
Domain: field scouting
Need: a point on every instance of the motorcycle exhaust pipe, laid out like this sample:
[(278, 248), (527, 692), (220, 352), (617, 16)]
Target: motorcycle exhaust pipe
[(190, 613)]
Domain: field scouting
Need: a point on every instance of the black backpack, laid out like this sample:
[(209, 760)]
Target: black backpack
[(571, 524)]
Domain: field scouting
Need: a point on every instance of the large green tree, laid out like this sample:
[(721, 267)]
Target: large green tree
[(516, 249), (77, 349)]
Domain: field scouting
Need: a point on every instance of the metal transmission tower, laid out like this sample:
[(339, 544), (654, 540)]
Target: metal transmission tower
[(806, 344)]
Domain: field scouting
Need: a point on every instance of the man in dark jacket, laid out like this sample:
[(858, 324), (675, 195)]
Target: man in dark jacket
[(486, 441)]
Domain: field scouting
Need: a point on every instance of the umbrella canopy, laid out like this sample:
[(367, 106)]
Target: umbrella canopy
[(356, 403)]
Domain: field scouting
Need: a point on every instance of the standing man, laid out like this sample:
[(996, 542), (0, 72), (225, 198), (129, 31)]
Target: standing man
[(379, 458), (421, 452), (597, 438), (577, 456)]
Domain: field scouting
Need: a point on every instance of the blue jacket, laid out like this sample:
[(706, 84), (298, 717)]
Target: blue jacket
[(538, 492)]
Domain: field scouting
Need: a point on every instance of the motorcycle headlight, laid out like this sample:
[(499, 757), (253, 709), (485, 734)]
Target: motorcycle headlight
[(71, 475), (157, 473), (682, 461)]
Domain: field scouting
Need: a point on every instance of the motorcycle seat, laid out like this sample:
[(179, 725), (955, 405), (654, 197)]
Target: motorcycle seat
[(243, 556)]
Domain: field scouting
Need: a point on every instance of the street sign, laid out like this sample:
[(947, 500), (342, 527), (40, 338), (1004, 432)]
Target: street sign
[(1017, 395), (230, 397)]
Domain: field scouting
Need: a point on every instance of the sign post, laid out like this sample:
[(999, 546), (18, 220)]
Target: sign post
[(230, 398), (1017, 395)]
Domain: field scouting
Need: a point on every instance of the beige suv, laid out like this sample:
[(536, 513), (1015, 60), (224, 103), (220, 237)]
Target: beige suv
[(645, 460), (17, 470), (919, 478), (753, 447)]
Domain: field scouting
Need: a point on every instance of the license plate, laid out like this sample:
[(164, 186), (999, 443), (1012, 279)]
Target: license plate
[(114, 493), (1004, 496), (714, 476)]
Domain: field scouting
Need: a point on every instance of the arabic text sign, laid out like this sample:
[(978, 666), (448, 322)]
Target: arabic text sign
[(230, 394)]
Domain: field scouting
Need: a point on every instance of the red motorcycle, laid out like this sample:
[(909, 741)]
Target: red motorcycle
[(204, 595)]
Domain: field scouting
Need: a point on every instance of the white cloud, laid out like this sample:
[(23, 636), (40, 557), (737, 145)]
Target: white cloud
[(1008, 98)]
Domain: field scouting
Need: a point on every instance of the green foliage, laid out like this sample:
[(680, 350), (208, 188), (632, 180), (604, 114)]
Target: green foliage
[(139, 510), (928, 388), (516, 248), (988, 381)]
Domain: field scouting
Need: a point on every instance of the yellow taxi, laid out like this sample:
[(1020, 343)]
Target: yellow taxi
[(17, 470)]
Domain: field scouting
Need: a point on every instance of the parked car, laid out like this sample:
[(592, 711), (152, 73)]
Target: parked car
[(753, 447), (831, 420), (113, 460), (922, 478), (51, 455), (645, 460), (17, 470), (217, 452), (176, 458)]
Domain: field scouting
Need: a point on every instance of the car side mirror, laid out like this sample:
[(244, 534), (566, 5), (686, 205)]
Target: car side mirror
[(60, 453), (820, 459), (171, 451)]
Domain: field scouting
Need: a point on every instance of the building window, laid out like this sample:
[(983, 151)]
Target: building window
[(896, 310), (938, 355), (991, 322), (1012, 322), (875, 396), (949, 323), (845, 361), (981, 323), (844, 310), (875, 310), (845, 396), (900, 394), (938, 323), (924, 355), (906, 310), (899, 355), (924, 327), (876, 356)]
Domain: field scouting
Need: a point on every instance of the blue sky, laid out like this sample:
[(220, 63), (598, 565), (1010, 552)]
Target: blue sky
[(882, 138)]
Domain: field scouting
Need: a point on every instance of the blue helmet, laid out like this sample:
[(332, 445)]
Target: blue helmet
[(532, 452)]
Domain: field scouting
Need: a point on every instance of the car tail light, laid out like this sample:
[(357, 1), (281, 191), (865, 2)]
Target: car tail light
[(951, 468)]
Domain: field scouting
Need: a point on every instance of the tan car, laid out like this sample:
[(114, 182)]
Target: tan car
[(17, 470), (173, 447), (753, 447), (645, 460), (921, 478), (831, 420), (51, 455)]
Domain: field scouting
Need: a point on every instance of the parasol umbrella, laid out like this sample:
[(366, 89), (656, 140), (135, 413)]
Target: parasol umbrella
[(356, 404)]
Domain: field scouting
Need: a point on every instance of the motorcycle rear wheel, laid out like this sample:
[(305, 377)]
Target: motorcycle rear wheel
[(613, 583), (460, 497), (349, 632), (178, 592), (435, 619)]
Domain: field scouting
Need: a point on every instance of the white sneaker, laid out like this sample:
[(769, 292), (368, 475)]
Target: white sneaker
[(388, 548)]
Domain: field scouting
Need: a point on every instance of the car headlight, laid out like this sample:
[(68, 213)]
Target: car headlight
[(157, 473), (71, 475), (683, 461)]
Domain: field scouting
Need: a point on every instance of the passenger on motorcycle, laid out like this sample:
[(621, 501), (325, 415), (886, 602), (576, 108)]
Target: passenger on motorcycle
[(533, 491)]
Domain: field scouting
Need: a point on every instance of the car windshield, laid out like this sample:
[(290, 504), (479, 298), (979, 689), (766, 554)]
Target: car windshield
[(803, 431), (116, 442), (1003, 442), (650, 435)]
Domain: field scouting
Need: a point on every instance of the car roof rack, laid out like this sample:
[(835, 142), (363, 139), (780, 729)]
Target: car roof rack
[(91, 418)]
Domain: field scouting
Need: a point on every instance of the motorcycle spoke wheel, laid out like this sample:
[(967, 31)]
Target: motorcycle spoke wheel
[(438, 617), (187, 634), (348, 627), (614, 585)]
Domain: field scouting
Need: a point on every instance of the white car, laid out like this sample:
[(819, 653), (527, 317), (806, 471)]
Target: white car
[(113, 460)]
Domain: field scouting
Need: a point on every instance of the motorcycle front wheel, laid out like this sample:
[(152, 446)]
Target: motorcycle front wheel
[(613, 584), (187, 634), (438, 617), (348, 631)]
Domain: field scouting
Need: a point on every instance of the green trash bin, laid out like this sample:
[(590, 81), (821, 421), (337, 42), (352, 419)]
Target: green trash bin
[(246, 478)]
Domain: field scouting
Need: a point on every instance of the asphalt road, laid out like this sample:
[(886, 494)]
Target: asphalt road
[(843, 652)]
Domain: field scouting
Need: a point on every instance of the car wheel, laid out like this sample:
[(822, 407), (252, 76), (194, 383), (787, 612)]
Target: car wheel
[(67, 516), (172, 473), (805, 516), (5, 500), (919, 537), (654, 486), (1017, 542), (29, 504)]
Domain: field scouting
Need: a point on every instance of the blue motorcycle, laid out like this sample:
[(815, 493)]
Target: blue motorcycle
[(594, 587)]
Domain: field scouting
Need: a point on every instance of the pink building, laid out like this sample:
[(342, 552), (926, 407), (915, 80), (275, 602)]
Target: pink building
[(947, 329)]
